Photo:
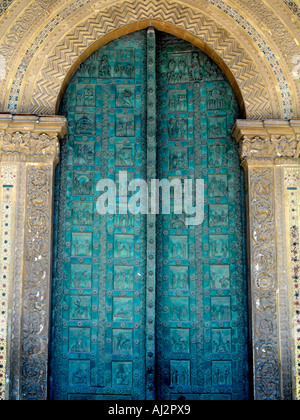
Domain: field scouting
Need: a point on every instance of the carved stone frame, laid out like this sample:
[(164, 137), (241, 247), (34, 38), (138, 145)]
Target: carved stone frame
[(270, 150), (29, 150)]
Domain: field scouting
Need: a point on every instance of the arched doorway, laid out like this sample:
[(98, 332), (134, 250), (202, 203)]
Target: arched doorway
[(145, 306)]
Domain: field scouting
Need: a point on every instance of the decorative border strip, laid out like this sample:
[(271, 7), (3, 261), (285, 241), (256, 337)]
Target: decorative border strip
[(293, 7), (8, 181), (292, 179), (36, 283), (284, 327), (4, 5)]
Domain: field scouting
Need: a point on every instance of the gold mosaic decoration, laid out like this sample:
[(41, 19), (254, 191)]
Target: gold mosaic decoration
[(8, 180)]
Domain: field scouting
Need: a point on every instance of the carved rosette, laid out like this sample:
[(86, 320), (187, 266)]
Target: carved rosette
[(31, 145), (266, 147)]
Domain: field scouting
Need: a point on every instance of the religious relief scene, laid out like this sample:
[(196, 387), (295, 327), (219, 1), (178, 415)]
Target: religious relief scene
[(177, 128), (123, 277), (124, 154), (83, 213), (221, 341), (122, 340), (86, 95), (83, 183), (85, 124), (117, 64), (184, 284), (125, 126), (79, 340), (82, 244), (84, 154), (178, 159), (123, 246), (125, 97), (81, 276), (123, 309), (191, 67), (180, 340), (180, 372)]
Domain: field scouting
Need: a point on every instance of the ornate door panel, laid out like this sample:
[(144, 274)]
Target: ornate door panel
[(99, 261), (201, 288), (143, 306)]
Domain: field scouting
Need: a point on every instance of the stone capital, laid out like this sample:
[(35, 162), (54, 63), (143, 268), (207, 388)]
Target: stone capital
[(268, 142), (29, 138)]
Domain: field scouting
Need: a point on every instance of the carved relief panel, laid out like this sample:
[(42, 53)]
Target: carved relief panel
[(201, 287), (99, 263)]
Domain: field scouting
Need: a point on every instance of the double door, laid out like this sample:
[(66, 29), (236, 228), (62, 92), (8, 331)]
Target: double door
[(144, 306)]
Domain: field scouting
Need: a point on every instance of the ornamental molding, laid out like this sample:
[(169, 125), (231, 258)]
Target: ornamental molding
[(273, 140), (30, 138)]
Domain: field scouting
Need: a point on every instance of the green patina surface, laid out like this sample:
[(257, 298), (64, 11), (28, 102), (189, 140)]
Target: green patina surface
[(145, 307)]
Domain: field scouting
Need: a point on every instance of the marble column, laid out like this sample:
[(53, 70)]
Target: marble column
[(270, 156), (29, 150)]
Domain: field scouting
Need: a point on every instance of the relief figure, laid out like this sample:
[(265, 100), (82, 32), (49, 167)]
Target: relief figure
[(180, 340), (125, 97), (221, 341), (85, 124), (125, 155), (80, 307), (217, 186), (179, 309), (218, 246), (123, 278), (219, 276), (81, 276), (177, 128), (220, 309), (83, 183), (178, 159), (221, 373), (180, 372), (178, 247), (123, 309), (122, 341), (123, 246)]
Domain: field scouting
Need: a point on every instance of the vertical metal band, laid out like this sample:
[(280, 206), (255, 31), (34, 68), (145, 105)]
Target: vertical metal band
[(151, 219)]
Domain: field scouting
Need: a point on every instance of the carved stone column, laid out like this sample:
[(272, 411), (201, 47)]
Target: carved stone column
[(269, 152), (29, 150)]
